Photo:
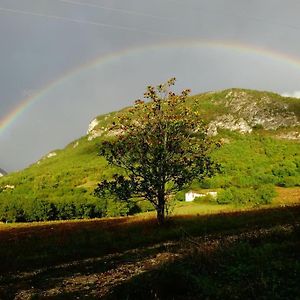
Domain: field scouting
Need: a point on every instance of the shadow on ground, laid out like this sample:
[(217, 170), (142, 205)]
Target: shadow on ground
[(209, 257), (262, 267)]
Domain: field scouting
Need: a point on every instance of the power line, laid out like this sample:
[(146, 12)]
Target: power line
[(78, 21), (125, 11)]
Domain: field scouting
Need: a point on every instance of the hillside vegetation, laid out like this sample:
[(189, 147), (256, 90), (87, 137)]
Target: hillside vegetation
[(259, 137)]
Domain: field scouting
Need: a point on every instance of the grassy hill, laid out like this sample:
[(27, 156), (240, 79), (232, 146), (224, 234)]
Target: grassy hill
[(258, 131)]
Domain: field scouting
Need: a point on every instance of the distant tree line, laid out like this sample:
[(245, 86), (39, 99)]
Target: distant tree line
[(30, 210)]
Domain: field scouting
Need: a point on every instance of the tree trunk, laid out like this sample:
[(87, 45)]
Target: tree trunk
[(161, 210)]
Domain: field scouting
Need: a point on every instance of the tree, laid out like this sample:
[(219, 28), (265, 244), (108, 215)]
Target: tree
[(159, 146)]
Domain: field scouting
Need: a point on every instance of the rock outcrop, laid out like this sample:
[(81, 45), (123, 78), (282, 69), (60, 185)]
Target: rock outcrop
[(2, 172), (241, 110), (246, 111)]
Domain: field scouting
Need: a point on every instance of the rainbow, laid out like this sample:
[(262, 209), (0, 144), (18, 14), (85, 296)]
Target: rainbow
[(28, 102)]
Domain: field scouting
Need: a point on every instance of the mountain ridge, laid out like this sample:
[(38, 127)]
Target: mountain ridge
[(242, 111)]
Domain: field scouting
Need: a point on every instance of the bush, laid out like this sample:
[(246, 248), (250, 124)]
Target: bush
[(266, 193), (85, 209), (12, 211), (180, 196), (259, 195), (243, 181), (39, 210), (289, 181), (117, 208), (144, 206), (225, 197), (65, 210), (244, 195)]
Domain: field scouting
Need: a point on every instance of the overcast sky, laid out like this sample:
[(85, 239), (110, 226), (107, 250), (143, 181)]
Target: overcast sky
[(43, 40)]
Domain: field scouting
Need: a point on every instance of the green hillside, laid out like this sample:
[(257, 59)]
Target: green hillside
[(259, 137)]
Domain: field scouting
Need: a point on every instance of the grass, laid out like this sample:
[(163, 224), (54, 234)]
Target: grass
[(259, 267), (43, 256)]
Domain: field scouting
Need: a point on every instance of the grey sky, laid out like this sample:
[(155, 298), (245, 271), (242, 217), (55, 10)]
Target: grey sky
[(40, 40)]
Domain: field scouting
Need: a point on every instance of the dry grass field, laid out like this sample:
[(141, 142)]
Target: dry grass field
[(114, 258)]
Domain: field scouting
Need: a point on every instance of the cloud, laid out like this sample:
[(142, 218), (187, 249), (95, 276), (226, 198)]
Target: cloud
[(295, 94)]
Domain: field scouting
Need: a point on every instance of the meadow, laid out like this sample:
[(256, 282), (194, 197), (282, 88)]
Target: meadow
[(202, 252)]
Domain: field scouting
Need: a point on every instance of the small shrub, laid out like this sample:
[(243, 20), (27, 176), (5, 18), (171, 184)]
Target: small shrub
[(289, 181), (180, 196), (225, 197), (12, 211), (116, 208), (244, 195), (85, 209), (266, 193), (144, 206), (65, 210), (206, 183), (39, 210)]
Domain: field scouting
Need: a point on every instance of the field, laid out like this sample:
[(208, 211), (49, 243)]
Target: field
[(206, 254)]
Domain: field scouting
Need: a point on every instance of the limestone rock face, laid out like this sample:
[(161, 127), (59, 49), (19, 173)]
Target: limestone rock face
[(228, 122), (294, 135), (2, 172), (246, 111), (93, 132), (92, 126), (51, 154)]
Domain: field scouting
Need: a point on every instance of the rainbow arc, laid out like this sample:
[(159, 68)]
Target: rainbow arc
[(28, 102)]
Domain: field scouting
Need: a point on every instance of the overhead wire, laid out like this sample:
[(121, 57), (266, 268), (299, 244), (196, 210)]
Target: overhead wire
[(120, 10), (80, 21)]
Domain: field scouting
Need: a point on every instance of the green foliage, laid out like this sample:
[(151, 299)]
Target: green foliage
[(162, 145), (116, 208), (180, 196), (39, 210), (225, 197), (12, 211), (289, 181), (265, 194), (239, 196), (255, 159)]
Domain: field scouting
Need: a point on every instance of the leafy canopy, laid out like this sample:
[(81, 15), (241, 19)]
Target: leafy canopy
[(161, 144)]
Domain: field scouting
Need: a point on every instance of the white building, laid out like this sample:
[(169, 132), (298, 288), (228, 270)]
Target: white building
[(190, 196)]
